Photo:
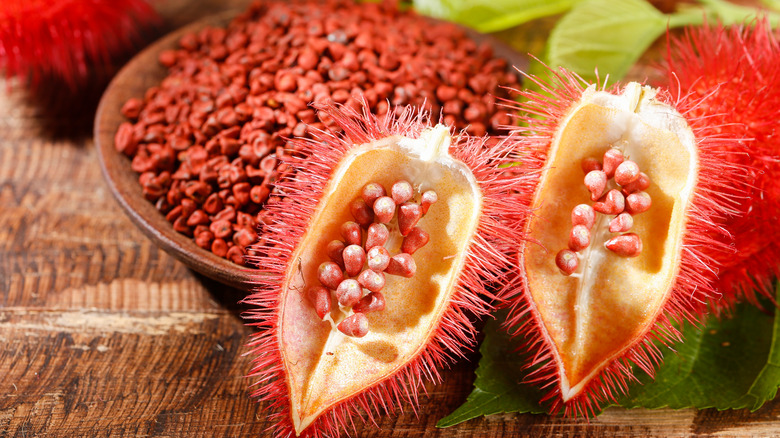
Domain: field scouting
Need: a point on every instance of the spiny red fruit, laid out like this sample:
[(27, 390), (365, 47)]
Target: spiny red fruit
[(64, 37), (734, 72), (321, 363), (604, 275)]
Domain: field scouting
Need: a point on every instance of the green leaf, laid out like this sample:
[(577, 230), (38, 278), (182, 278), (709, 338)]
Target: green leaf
[(606, 34), (732, 363), (492, 15), (497, 387)]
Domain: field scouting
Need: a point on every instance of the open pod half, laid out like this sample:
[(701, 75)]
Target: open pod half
[(378, 256), (623, 237)]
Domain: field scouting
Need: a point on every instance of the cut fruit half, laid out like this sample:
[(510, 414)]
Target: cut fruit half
[(377, 256), (623, 230)]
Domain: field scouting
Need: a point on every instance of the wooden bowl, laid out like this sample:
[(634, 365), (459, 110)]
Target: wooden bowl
[(141, 73)]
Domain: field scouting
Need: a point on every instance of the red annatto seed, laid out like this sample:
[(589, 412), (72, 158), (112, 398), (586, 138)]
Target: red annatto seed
[(329, 274), (259, 194), (409, 214), (384, 209), (579, 238), (354, 259), (612, 159), (402, 265), (621, 223), (638, 202), (567, 261), (372, 280), (371, 192), (625, 245), (613, 203), (244, 237), (204, 239), (219, 247), (335, 249), (373, 302), (590, 164), (198, 217), (641, 183), (626, 173), (235, 254), (319, 297), (596, 182), (351, 233), (355, 326), (222, 229), (378, 257), (349, 292), (361, 212), (377, 235), (401, 191), (428, 198), (583, 214), (416, 239)]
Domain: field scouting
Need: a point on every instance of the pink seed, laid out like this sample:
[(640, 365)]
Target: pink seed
[(371, 280), (378, 258), (373, 302), (612, 203), (334, 250), (641, 183), (579, 238), (583, 214), (625, 245), (361, 212), (408, 215), (372, 192), (355, 325), (590, 164), (350, 231), (384, 209), (319, 297), (377, 236), (349, 292), (621, 223), (330, 275), (427, 199), (401, 192), (354, 259), (567, 261), (416, 239), (596, 182), (638, 202), (612, 159), (403, 265), (626, 173)]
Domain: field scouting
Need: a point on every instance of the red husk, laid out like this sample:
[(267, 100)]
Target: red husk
[(487, 263), (734, 72), (64, 37)]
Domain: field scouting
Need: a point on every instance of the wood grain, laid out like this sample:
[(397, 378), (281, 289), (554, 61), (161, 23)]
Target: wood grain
[(102, 334)]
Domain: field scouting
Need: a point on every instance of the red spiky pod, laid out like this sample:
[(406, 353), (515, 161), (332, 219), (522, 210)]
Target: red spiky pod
[(64, 37), (734, 72), (375, 260), (624, 238)]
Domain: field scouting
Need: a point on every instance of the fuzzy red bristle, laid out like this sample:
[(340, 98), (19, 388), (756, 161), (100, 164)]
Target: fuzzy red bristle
[(717, 196), (64, 37), (486, 263), (734, 72)]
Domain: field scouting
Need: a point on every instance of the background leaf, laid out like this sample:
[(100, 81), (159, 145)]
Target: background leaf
[(606, 34), (732, 363), (492, 15)]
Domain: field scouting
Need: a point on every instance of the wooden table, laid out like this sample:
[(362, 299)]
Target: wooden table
[(103, 334)]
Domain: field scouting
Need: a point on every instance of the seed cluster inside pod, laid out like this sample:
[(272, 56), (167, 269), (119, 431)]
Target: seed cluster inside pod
[(624, 239), (390, 241), (209, 141), (355, 274), (617, 189)]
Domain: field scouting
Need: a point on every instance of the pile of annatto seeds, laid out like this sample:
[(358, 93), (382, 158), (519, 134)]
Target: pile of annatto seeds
[(210, 140)]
